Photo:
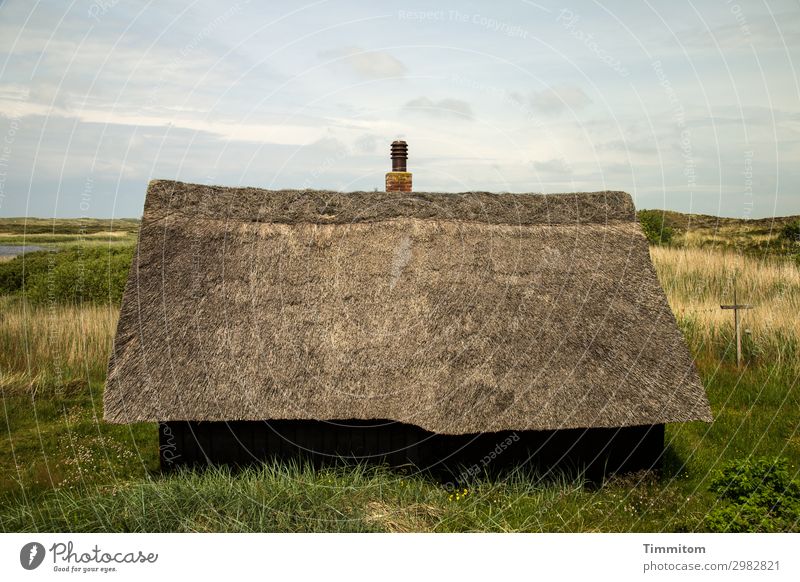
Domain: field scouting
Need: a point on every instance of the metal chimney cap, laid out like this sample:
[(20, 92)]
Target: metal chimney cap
[(399, 147), (399, 156)]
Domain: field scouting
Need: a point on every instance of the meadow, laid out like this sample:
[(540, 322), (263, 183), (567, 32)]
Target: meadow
[(63, 469)]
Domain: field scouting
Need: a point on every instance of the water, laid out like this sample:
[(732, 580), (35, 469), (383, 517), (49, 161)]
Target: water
[(14, 250)]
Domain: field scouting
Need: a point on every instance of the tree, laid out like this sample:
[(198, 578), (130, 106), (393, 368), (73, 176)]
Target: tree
[(655, 227)]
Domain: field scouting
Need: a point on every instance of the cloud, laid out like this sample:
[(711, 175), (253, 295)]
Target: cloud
[(644, 145), (367, 64), (556, 100), (366, 143), (244, 131), (443, 108), (555, 166), (765, 32)]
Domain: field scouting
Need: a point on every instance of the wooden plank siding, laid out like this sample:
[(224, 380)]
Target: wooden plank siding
[(597, 451)]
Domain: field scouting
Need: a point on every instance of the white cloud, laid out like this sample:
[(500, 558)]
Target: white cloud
[(276, 133), (553, 167), (367, 64), (762, 31), (453, 108), (556, 100)]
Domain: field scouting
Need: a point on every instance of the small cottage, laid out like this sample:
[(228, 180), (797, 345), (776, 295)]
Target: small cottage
[(447, 331)]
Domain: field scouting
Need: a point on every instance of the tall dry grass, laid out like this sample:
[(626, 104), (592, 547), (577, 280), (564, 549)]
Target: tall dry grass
[(54, 348), (697, 281), (729, 237)]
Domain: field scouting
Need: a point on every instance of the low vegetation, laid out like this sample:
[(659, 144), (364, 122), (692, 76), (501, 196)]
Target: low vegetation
[(759, 238), (72, 276), (755, 496), (291, 498), (62, 468), (68, 228), (791, 232), (655, 227)]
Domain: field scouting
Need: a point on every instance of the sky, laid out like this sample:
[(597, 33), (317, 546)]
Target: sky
[(689, 106)]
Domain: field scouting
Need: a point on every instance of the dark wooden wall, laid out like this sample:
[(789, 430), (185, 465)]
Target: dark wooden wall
[(598, 451)]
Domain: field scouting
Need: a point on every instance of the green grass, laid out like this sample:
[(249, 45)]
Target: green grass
[(69, 233), (66, 226), (58, 442), (292, 498), (755, 414)]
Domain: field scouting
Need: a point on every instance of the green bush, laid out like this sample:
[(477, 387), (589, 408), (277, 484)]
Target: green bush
[(755, 495), (655, 227), (791, 231), (79, 275)]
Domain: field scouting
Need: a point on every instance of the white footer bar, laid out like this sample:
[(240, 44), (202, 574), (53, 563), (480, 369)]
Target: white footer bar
[(385, 557)]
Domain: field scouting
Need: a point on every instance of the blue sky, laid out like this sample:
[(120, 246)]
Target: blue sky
[(690, 106)]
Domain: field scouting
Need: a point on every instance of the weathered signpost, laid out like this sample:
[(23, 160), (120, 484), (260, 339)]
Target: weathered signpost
[(737, 327)]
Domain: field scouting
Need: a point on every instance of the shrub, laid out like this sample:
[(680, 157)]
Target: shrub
[(655, 227), (755, 495), (11, 272), (791, 231), (80, 275)]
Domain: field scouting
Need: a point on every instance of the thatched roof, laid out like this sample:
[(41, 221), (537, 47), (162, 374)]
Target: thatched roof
[(458, 313)]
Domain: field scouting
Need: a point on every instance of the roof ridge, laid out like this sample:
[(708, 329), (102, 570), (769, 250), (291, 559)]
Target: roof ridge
[(331, 207)]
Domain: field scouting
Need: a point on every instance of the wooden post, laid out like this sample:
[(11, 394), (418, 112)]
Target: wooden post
[(737, 328)]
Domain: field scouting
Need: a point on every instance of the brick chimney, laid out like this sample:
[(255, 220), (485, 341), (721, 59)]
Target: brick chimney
[(398, 180)]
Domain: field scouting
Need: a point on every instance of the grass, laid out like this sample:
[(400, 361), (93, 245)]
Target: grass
[(63, 233), (58, 443), (51, 351), (697, 281), (290, 498), (754, 237), (755, 408), (66, 226), (706, 223), (52, 369), (63, 469)]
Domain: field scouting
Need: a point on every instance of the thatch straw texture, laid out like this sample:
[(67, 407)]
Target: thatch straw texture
[(458, 313)]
